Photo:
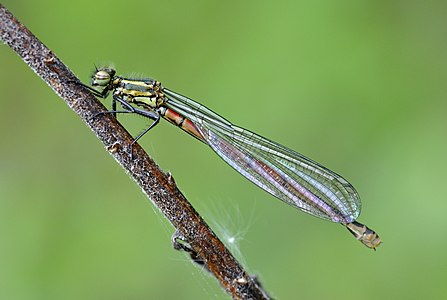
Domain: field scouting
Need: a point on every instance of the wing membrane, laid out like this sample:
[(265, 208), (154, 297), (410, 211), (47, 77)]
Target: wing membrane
[(282, 172)]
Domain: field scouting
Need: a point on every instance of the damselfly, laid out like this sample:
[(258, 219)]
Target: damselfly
[(282, 172)]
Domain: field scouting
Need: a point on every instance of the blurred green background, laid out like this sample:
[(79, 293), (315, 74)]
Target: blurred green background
[(358, 86)]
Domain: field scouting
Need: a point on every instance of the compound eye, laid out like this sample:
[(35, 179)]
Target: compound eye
[(101, 78)]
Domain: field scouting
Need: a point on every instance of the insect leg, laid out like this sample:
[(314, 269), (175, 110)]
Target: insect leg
[(153, 115)]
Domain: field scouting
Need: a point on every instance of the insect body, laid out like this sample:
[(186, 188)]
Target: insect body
[(280, 171)]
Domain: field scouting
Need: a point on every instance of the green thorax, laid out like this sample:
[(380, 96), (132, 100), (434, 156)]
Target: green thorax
[(147, 93)]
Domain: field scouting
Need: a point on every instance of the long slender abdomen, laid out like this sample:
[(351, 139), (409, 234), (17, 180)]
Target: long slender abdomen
[(181, 121)]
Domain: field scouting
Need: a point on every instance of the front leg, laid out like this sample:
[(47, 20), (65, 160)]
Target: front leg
[(102, 94)]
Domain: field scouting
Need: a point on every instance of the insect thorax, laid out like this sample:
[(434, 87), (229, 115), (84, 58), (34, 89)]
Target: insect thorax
[(145, 93)]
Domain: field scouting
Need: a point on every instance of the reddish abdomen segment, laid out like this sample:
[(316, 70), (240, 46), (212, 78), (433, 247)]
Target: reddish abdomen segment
[(182, 122)]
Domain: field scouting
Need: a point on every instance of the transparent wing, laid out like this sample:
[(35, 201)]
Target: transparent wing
[(284, 173)]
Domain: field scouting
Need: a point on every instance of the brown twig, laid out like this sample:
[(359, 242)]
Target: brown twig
[(202, 244)]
